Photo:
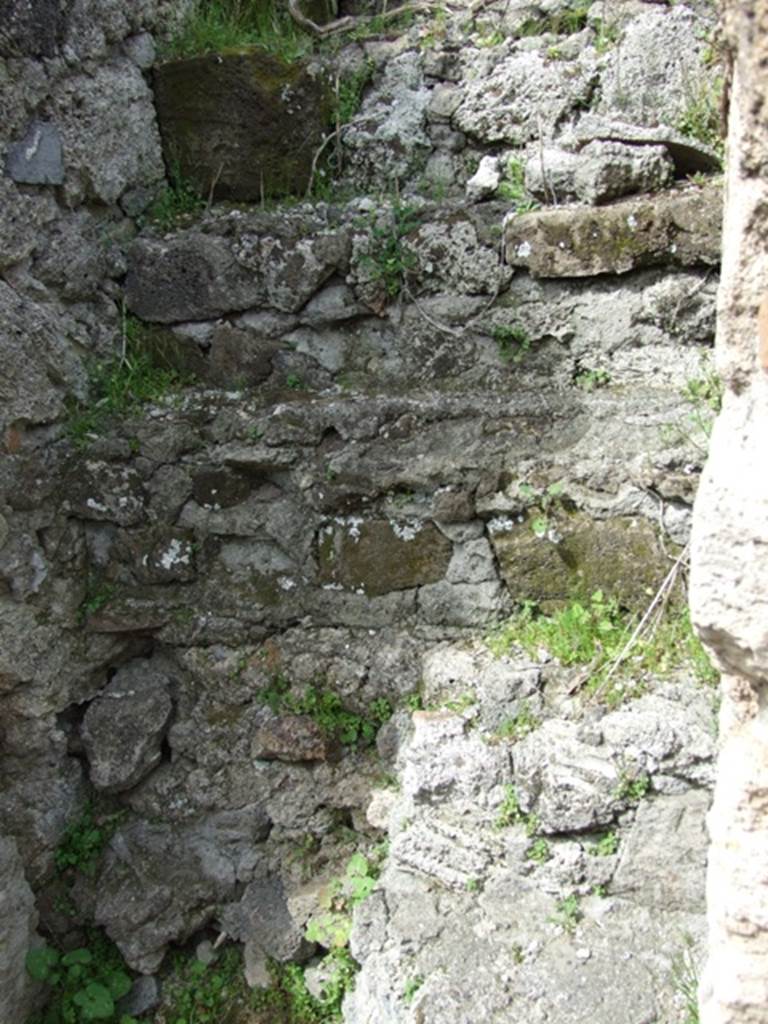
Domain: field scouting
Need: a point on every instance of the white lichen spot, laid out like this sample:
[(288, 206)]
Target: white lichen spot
[(631, 222), (95, 506), (351, 524), (500, 524), (286, 583), (332, 586), (406, 531), (177, 553), (524, 250)]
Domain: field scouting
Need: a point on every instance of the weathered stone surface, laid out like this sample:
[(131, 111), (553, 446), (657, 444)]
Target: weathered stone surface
[(663, 859), (239, 357), (729, 576), (196, 276), (30, 28), (291, 738), (656, 69), (143, 996), (378, 556), (18, 920), (262, 918), (388, 138), (622, 557), (681, 228), (39, 367), (571, 786), (105, 154), (521, 96), (22, 218), (690, 155), (185, 873), (36, 159), (242, 125), (465, 767), (123, 728), (492, 907), (102, 492), (599, 172)]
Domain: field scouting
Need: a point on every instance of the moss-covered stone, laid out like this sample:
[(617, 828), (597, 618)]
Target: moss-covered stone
[(242, 125), (678, 228), (380, 556), (620, 556)]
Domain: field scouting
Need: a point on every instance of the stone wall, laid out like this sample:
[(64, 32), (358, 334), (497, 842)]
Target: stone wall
[(730, 574), (387, 390)]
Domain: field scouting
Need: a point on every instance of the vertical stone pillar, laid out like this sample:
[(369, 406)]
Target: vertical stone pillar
[(729, 577)]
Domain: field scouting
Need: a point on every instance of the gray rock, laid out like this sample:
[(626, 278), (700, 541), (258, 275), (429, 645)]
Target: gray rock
[(689, 155), (105, 154), (123, 728), (18, 920), (30, 29), (290, 738), (656, 70), (485, 180), (521, 97), (185, 873), (197, 276), (569, 785), (599, 172), (144, 996), (141, 50), (22, 220), (262, 919), (662, 862), (36, 159), (40, 367), (388, 140)]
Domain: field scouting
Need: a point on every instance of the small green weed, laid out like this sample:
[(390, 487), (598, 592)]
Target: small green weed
[(539, 851), (177, 204), (326, 709), (294, 382), (332, 928), (84, 840), (388, 260), (704, 394), (632, 786), (513, 342), (512, 187), (412, 986), (198, 993), (701, 118), (591, 380), (605, 846), (546, 501), (289, 1001), (685, 979), (568, 913), (491, 39), (511, 813), (607, 34), (121, 385), (519, 726), (562, 23), (215, 26), (349, 92), (98, 593), (85, 984), (462, 703), (595, 633)]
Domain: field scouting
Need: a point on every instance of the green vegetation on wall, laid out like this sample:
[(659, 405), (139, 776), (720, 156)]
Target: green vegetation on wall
[(215, 26), (143, 372)]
